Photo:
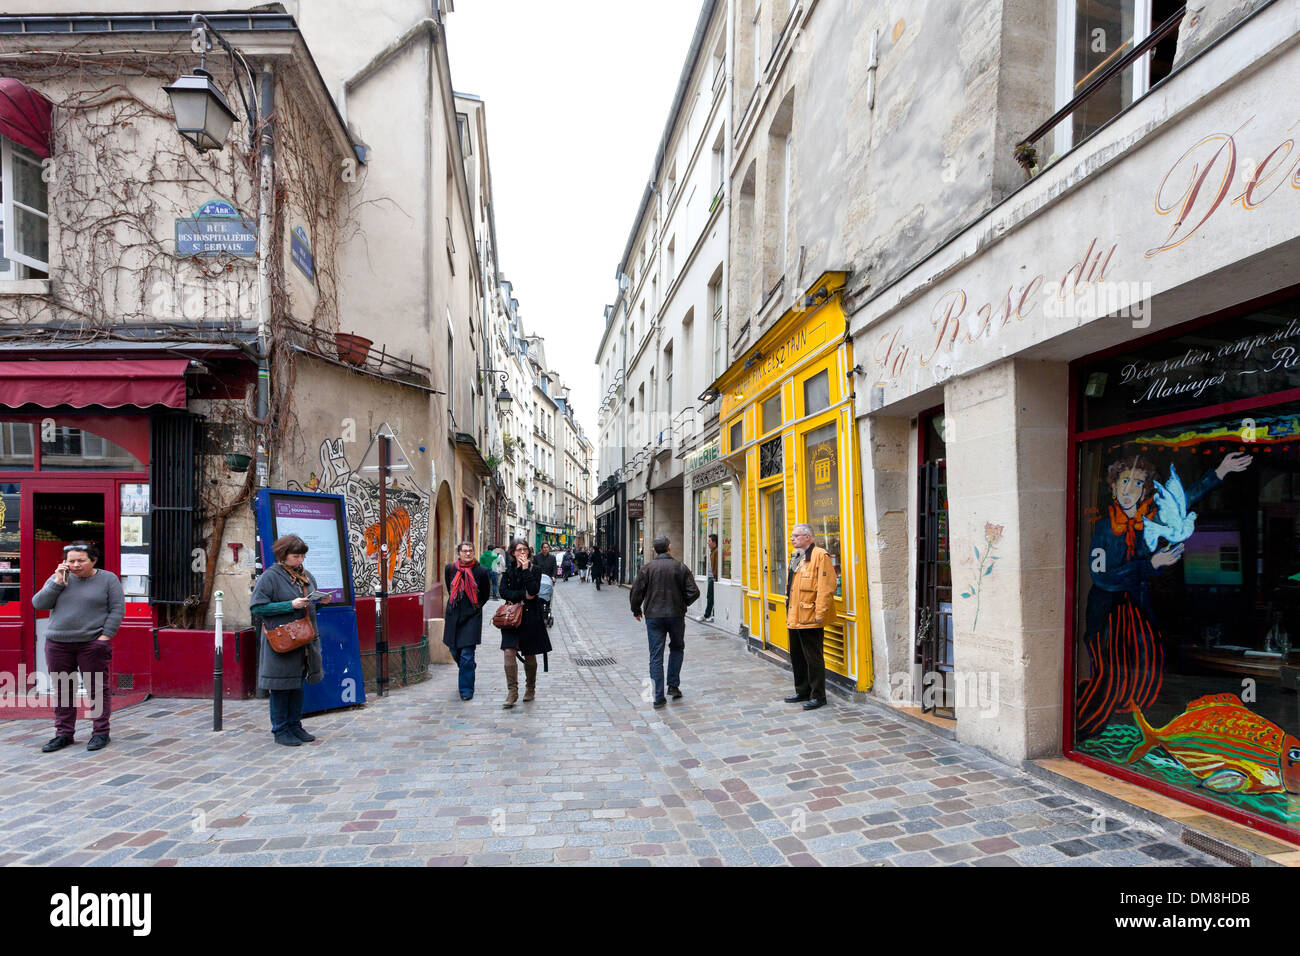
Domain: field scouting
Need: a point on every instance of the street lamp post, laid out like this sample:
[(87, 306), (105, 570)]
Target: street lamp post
[(204, 119)]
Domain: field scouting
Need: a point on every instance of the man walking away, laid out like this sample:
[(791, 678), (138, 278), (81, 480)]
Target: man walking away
[(580, 560), (663, 589), (611, 565), (597, 566), (810, 595), (713, 576), (87, 607)]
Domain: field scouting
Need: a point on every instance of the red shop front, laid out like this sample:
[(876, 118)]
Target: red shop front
[(72, 470)]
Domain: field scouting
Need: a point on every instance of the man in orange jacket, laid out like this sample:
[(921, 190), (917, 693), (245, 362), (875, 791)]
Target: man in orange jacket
[(810, 596)]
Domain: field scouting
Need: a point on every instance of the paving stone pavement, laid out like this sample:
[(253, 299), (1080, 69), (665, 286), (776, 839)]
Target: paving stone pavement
[(587, 774)]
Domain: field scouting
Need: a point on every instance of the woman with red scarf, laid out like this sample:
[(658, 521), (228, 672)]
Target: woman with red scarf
[(468, 589), (1125, 649)]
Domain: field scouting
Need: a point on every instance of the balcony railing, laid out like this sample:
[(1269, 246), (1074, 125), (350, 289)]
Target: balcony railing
[(1026, 152)]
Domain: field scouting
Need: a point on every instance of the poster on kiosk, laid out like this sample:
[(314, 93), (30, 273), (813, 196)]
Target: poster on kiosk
[(321, 522)]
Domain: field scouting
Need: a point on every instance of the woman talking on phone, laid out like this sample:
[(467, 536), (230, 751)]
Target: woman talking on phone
[(281, 597), (521, 584), (86, 606)]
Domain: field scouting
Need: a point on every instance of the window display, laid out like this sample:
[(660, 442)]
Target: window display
[(1187, 582)]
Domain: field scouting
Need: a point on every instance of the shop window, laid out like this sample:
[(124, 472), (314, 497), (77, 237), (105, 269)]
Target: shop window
[(1188, 567), (817, 393), (24, 214), (17, 446), (74, 449), (769, 458), (772, 413), (737, 435), (724, 532), (822, 491), (10, 536)]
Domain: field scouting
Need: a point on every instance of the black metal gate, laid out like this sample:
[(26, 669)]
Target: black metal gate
[(174, 466), (934, 592)]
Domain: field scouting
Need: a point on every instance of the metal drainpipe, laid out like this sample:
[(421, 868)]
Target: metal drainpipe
[(264, 196)]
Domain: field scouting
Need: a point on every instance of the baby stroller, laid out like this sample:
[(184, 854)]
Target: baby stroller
[(544, 595)]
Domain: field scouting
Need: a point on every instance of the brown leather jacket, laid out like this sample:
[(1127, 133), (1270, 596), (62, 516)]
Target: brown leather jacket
[(812, 591)]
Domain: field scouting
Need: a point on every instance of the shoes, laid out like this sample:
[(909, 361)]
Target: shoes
[(707, 620), (675, 693), (466, 696), (97, 742), (815, 703), (58, 743), (302, 735), (286, 738), (795, 698), (661, 702)]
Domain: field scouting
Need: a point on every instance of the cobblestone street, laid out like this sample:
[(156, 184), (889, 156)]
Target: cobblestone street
[(589, 773)]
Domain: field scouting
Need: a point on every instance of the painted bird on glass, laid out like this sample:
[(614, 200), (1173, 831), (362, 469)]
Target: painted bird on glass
[(1175, 523)]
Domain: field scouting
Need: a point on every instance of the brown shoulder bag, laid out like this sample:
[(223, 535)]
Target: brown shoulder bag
[(295, 634)]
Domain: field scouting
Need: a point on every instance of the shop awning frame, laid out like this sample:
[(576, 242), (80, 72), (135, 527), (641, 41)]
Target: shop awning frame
[(119, 383)]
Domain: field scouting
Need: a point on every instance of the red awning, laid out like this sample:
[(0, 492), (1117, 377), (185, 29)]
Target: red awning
[(25, 116), (108, 384)]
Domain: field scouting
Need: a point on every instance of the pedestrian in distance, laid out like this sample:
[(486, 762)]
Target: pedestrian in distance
[(546, 561), (663, 590), (521, 584), (488, 559), (547, 564), (597, 566), (580, 562), (611, 565), (86, 608), (810, 596), (467, 591), (281, 596), (712, 575)]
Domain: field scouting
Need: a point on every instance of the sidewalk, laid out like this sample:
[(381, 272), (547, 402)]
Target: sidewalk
[(588, 773)]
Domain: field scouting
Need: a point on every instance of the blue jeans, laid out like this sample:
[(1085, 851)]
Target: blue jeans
[(674, 629), (286, 710), (496, 577), (464, 657)]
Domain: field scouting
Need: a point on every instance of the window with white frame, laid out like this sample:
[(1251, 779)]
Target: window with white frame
[(24, 214), (1090, 36), (717, 338)]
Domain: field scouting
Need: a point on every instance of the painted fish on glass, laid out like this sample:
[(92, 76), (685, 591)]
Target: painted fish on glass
[(1229, 748)]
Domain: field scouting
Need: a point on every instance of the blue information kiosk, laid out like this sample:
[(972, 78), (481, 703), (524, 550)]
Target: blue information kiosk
[(321, 521)]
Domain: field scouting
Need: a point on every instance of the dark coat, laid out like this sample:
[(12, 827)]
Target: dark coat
[(277, 671), (547, 563), (463, 621), (530, 637), (665, 586), (597, 562)]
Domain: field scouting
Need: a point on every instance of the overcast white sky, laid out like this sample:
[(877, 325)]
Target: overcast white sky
[(577, 94)]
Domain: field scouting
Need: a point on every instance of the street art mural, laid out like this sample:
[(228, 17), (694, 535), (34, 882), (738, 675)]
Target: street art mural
[(406, 529)]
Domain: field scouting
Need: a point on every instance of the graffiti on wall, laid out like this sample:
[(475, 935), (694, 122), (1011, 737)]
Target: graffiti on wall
[(406, 528)]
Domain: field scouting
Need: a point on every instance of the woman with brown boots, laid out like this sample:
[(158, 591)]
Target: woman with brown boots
[(520, 583)]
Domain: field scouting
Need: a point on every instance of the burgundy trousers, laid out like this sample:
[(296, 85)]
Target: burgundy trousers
[(94, 659)]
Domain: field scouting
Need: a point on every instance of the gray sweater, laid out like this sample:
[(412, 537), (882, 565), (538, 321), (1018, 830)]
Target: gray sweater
[(82, 609)]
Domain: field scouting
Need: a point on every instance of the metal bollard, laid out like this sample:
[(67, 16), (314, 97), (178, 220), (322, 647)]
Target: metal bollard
[(216, 667)]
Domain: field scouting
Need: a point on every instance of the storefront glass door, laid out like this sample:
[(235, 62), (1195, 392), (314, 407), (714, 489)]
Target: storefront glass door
[(775, 542), (59, 513)]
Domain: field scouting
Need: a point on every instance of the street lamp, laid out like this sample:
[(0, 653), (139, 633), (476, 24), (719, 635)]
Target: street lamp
[(504, 399), (202, 114)]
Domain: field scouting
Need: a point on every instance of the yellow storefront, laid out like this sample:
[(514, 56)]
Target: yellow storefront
[(788, 431)]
